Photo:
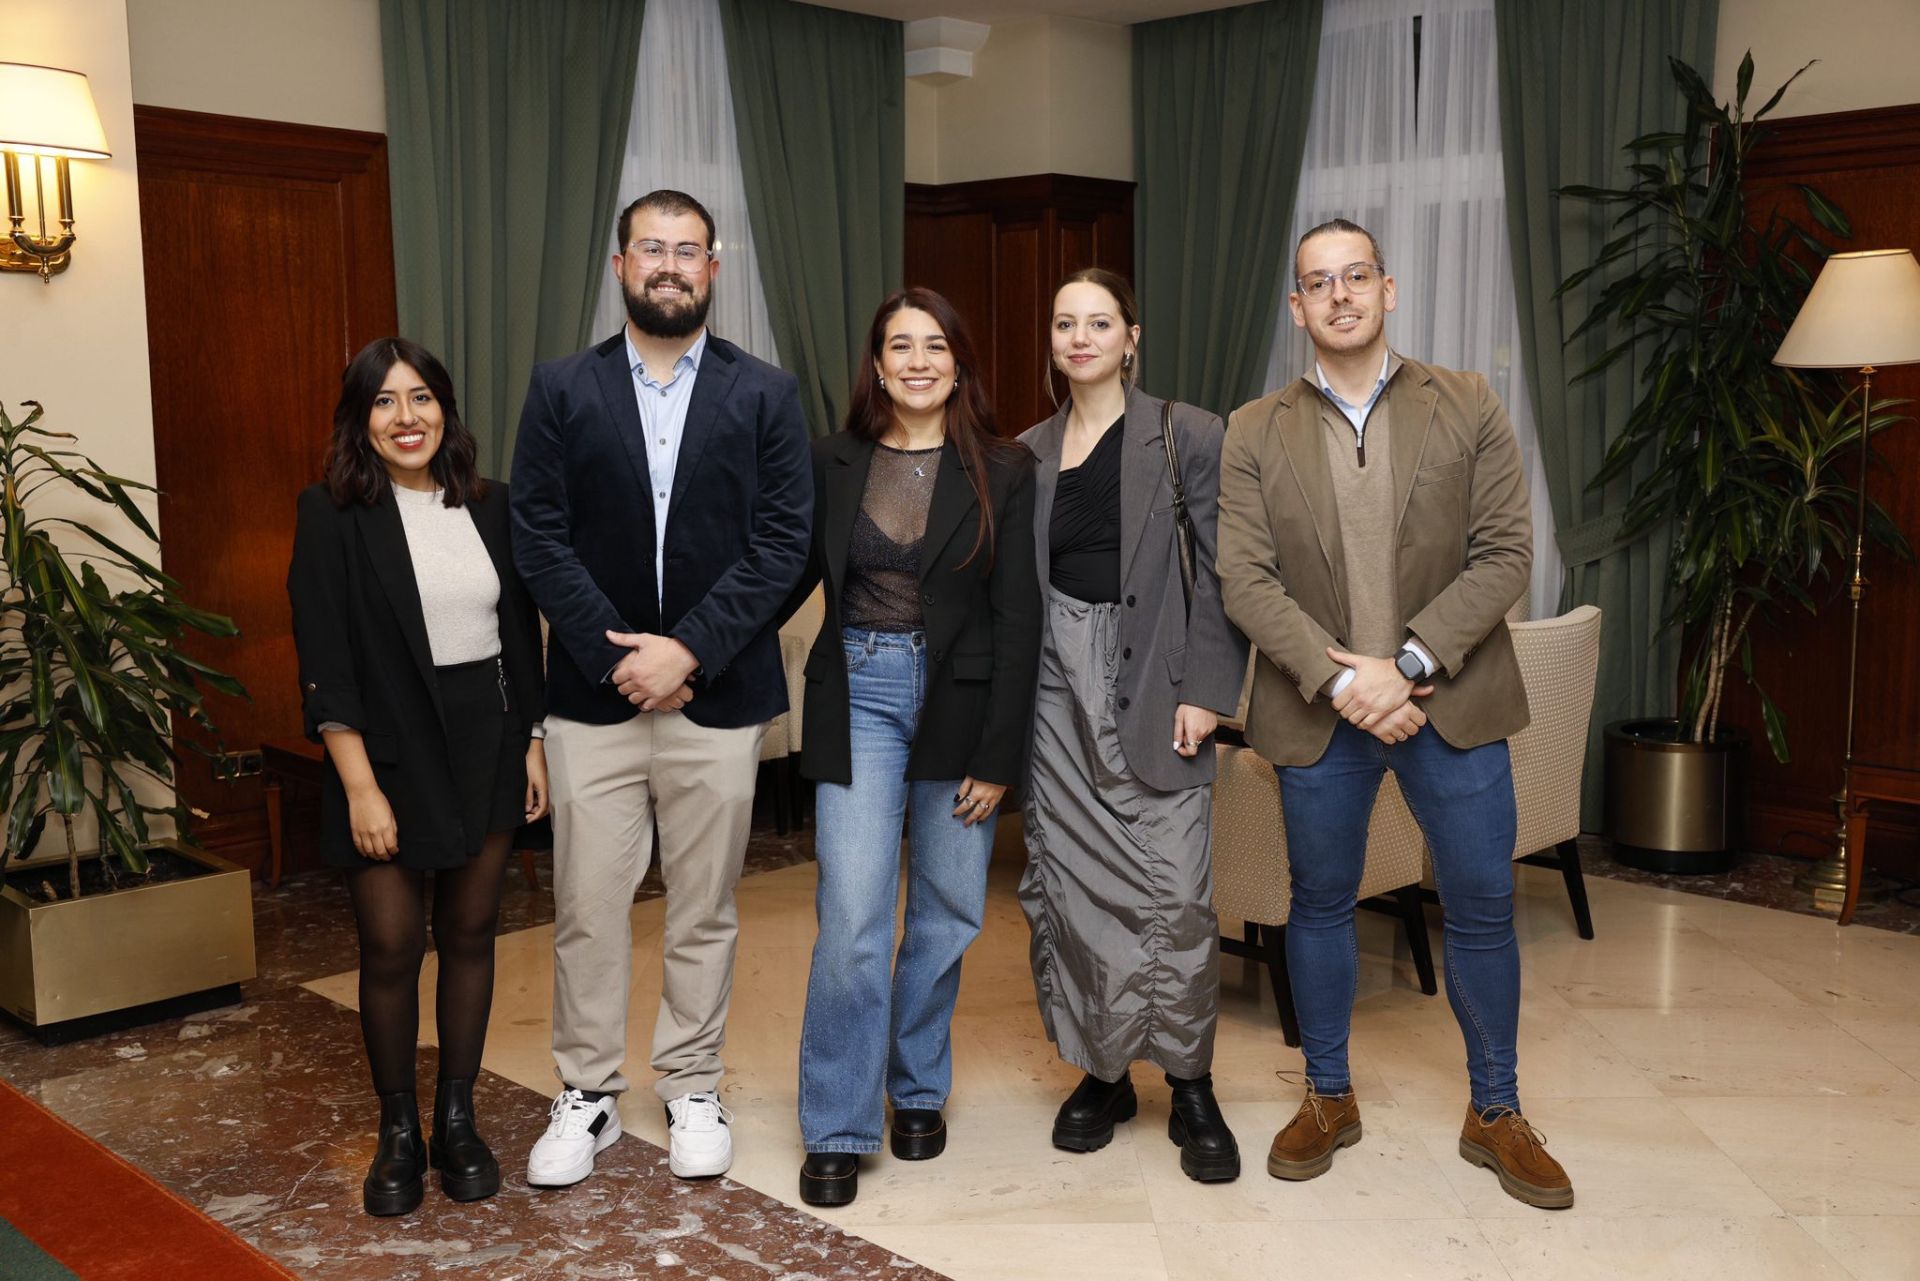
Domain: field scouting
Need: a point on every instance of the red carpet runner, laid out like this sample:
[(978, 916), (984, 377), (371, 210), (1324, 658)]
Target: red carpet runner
[(100, 1217)]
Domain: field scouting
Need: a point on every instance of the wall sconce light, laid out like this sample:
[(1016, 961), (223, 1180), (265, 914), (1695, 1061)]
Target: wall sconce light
[(44, 111)]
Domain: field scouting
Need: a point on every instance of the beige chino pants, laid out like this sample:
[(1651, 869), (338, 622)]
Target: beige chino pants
[(612, 784)]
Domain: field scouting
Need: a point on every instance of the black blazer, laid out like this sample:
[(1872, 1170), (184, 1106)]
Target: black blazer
[(982, 621), (736, 533), (366, 663)]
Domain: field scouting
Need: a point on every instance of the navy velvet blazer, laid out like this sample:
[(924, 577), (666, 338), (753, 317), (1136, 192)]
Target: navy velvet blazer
[(738, 525)]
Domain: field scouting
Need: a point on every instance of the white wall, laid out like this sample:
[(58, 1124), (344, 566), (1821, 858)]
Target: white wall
[(1047, 95), (79, 344), (1869, 52), (314, 62)]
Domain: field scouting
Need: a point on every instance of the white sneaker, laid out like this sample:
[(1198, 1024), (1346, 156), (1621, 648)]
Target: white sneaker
[(578, 1130), (700, 1142)]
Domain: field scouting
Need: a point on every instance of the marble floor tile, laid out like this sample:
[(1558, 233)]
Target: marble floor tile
[(1669, 968), (1873, 1247), (1821, 1156), (1431, 1249), (1414, 1043), (1562, 1248), (1628, 1158), (1734, 1051), (1891, 1032), (1389, 1174), (1027, 1251)]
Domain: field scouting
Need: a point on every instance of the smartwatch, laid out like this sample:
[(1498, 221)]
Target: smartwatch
[(1410, 665)]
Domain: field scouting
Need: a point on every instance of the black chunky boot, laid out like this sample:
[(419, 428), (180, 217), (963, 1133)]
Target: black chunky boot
[(829, 1178), (468, 1171), (395, 1182), (1085, 1121), (919, 1134), (1208, 1153)]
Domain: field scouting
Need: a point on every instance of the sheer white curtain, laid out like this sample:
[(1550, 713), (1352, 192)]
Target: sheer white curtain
[(1405, 141), (681, 135)]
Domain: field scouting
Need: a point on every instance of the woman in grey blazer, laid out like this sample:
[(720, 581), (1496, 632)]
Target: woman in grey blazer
[(1118, 887)]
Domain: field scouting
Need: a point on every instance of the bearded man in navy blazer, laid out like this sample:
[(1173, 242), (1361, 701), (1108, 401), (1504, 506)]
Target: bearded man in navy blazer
[(662, 502)]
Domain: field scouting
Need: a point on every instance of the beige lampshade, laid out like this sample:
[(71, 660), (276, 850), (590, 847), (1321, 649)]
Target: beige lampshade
[(49, 112), (1864, 310)]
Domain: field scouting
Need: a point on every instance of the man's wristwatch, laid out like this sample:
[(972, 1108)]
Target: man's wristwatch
[(1410, 664)]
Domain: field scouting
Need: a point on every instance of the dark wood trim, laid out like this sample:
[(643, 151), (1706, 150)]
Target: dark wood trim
[(1027, 196), (174, 139), (1797, 147)]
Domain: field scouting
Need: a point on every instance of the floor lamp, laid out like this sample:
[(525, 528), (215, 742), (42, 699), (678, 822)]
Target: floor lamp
[(1863, 313)]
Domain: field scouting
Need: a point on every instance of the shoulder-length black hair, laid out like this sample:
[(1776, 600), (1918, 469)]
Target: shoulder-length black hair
[(969, 417), (355, 473)]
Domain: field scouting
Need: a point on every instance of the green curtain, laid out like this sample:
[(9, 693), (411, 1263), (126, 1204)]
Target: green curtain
[(1220, 106), (819, 97), (506, 125), (1578, 80)]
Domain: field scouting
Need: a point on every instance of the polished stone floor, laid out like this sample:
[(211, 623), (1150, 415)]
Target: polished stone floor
[(1735, 1090)]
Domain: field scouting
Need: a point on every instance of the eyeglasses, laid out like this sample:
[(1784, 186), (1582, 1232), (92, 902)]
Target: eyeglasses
[(1361, 277), (686, 256)]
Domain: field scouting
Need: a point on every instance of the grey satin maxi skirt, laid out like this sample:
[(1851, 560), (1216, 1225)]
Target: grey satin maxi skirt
[(1118, 888)]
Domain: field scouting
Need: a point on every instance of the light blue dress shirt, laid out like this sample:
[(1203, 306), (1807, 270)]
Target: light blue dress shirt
[(663, 416), (1355, 414)]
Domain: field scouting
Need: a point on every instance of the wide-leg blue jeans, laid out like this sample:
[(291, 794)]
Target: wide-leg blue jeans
[(878, 1026)]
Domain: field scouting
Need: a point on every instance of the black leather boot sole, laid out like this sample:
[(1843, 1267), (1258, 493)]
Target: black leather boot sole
[(924, 1138), (1212, 1167), (829, 1178), (473, 1186), (388, 1202), (1092, 1135)]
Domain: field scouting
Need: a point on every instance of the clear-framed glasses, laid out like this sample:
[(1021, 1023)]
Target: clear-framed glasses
[(686, 255), (1361, 278)]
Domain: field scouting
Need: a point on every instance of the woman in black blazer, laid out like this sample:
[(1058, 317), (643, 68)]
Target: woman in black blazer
[(919, 694), (420, 670)]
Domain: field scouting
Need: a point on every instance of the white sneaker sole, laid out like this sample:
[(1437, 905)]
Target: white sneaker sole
[(575, 1173), (704, 1168)]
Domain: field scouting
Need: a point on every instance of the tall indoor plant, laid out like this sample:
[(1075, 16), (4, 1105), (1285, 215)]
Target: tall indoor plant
[(1742, 457), (90, 678)]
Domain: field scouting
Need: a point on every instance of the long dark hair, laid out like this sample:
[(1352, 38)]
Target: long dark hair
[(355, 473), (969, 411)]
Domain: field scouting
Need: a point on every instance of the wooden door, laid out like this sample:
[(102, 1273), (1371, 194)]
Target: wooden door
[(997, 249), (269, 262)]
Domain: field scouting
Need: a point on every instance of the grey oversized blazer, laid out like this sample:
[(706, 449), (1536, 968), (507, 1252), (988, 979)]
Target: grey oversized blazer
[(1166, 657)]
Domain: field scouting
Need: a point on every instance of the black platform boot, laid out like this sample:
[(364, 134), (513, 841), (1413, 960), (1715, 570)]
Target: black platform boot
[(468, 1171), (1208, 1152), (829, 1178), (395, 1182), (919, 1134), (1085, 1121)]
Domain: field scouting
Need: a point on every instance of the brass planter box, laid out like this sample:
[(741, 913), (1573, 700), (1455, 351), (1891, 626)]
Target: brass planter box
[(105, 952), (1673, 807)]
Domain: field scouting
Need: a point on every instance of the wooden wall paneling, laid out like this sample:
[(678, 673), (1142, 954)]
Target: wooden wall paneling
[(269, 262), (1867, 163), (997, 248)]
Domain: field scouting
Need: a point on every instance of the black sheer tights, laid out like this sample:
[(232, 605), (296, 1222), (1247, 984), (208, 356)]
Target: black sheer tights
[(389, 907)]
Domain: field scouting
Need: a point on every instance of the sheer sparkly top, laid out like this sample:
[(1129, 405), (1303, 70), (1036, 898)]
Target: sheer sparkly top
[(883, 557)]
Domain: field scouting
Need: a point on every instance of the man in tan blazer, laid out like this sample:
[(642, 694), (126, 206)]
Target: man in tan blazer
[(1374, 530)]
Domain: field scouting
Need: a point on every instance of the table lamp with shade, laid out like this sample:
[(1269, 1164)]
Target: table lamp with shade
[(1863, 313)]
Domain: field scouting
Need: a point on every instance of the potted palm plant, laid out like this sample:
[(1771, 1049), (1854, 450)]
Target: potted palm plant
[(91, 676), (1740, 458)]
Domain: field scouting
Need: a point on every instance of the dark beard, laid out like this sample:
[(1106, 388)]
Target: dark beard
[(670, 320)]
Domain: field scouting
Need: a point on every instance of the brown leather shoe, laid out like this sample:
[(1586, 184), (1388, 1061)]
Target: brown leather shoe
[(1502, 1141), (1324, 1124)]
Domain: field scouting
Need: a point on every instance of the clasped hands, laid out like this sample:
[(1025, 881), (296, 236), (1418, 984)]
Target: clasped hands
[(654, 676), (1379, 699)]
